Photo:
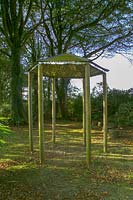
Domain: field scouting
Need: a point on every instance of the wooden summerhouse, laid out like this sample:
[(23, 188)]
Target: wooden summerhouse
[(66, 66)]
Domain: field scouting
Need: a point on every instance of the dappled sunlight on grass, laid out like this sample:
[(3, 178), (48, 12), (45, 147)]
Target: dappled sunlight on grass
[(65, 174)]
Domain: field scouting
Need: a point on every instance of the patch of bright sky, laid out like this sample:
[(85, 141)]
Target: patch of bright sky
[(120, 75)]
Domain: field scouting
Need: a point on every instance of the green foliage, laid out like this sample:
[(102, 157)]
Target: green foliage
[(5, 133), (16, 27), (74, 103), (75, 108), (96, 107), (5, 121), (119, 106), (5, 79), (115, 98), (97, 103), (125, 114), (6, 118), (5, 110)]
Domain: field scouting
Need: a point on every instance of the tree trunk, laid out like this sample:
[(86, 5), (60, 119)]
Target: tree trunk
[(48, 98), (18, 114), (61, 88), (35, 98)]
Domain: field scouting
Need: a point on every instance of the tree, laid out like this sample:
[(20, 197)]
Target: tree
[(119, 105), (90, 28), (108, 30), (5, 78), (124, 115), (115, 99), (16, 27)]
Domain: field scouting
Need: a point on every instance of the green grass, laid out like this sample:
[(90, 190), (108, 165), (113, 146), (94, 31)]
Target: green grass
[(65, 175)]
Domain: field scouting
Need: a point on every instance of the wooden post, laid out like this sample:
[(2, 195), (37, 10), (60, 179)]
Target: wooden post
[(104, 113), (84, 114), (30, 117), (88, 114), (53, 110), (40, 113)]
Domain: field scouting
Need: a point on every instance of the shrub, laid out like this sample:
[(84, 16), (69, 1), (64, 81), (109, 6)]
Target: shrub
[(125, 114), (5, 133), (5, 110)]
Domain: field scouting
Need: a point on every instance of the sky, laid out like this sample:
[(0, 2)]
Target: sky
[(120, 75)]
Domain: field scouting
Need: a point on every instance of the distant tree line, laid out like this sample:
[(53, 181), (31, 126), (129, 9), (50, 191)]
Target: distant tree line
[(120, 104)]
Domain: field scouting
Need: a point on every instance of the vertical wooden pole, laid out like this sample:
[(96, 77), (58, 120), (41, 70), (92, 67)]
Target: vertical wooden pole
[(30, 120), (104, 113), (84, 114), (53, 110), (88, 114), (40, 113)]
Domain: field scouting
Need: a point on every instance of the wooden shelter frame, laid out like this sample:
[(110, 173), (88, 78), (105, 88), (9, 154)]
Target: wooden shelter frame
[(64, 66)]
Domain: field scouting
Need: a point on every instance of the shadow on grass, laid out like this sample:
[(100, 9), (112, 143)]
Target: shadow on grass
[(65, 175), (69, 181)]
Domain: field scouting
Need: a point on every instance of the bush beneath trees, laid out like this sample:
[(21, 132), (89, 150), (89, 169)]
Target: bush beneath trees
[(5, 110), (124, 116)]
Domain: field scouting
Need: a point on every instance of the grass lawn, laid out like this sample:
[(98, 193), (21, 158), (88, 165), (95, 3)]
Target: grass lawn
[(65, 176)]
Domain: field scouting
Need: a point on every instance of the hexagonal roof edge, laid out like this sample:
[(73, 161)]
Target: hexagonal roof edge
[(66, 57)]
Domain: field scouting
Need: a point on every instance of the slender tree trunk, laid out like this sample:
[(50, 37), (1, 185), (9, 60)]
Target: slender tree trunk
[(61, 88), (18, 114), (35, 99), (48, 98), (63, 99)]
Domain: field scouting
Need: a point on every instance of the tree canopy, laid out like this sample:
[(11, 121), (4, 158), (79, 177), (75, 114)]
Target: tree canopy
[(31, 30), (90, 28)]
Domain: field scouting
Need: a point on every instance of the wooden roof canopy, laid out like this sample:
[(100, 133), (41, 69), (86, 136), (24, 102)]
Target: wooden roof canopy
[(68, 66)]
